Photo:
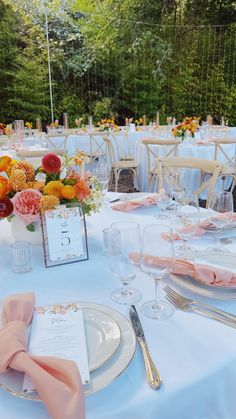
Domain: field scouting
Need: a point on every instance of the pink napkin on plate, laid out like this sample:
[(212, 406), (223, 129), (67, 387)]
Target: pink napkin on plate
[(57, 381), (136, 203), (202, 229), (206, 274)]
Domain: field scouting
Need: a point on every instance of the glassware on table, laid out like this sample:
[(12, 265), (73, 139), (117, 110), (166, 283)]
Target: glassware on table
[(187, 221), (178, 184), (123, 240), (157, 242), (102, 172), (105, 240), (21, 257), (220, 213)]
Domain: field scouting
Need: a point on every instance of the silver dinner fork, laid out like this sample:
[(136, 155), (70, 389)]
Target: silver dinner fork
[(187, 304)]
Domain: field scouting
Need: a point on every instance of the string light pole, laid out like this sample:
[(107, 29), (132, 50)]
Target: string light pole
[(49, 59)]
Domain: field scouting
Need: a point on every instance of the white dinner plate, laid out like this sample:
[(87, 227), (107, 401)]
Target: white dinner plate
[(99, 378), (223, 260), (103, 337)]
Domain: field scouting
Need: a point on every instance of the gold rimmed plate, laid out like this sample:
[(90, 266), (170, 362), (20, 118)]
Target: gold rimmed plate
[(101, 376), (218, 260)]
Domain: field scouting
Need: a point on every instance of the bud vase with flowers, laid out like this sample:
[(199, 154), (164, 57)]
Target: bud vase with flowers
[(23, 196)]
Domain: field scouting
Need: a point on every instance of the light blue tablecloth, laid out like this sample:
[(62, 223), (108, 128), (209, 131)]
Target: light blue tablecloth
[(196, 356)]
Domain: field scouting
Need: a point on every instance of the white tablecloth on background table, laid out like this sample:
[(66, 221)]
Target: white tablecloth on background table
[(201, 151), (196, 356)]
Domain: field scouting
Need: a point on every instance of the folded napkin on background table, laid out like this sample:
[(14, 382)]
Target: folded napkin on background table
[(57, 381), (205, 274), (202, 229), (136, 203)]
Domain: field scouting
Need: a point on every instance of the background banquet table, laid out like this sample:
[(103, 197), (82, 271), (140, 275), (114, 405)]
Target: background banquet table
[(185, 149), (195, 355)]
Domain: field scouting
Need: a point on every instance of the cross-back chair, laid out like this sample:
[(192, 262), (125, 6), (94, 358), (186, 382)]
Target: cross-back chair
[(57, 141), (158, 148), (212, 167), (229, 167), (118, 166)]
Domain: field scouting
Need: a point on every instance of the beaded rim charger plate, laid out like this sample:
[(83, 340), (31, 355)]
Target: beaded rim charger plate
[(223, 260), (108, 371)]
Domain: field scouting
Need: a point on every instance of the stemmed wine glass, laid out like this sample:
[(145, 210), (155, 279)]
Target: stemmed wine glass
[(102, 172), (157, 260), (124, 240), (220, 213), (187, 220)]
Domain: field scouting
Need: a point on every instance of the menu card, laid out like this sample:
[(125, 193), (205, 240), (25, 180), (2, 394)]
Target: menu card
[(58, 330), (64, 233)]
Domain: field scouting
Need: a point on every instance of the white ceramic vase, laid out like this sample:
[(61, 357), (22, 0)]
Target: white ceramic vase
[(20, 232)]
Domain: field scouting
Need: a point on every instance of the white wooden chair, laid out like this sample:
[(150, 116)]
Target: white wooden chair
[(57, 141), (118, 166), (203, 165), (229, 166), (158, 148), (98, 146)]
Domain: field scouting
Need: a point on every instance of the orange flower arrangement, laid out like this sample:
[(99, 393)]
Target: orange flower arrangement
[(190, 125), (22, 195)]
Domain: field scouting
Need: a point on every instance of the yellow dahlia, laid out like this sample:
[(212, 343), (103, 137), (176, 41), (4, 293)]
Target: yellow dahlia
[(27, 168), (17, 180), (53, 188), (48, 202)]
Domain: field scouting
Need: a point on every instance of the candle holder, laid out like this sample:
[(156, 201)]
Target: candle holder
[(65, 120), (38, 124)]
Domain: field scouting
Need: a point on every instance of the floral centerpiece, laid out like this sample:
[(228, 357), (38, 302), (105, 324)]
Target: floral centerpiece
[(189, 125), (23, 195), (29, 125), (107, 124), (6, 129), (78, 122), (138, 122)]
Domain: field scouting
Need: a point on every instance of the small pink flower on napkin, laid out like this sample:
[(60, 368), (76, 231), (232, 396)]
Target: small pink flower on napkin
[(205, 274), (57, 381)]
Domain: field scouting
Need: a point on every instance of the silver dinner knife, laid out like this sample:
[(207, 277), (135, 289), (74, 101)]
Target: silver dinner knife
[(152, 373)]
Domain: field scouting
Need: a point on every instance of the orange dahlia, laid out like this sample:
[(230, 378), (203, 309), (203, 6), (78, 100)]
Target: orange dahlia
[(27, 168), (48, 202)]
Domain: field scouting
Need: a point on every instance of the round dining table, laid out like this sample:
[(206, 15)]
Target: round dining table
[(195, 355)]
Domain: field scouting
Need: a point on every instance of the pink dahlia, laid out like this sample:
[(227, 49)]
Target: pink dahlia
[(26, 205), (51, 163)]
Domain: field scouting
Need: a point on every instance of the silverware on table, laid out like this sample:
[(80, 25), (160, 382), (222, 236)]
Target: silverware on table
[(114, 200), (152, 373), (187, 304)]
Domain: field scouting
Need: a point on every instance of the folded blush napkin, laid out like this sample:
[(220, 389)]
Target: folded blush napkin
[(57, 381), (202, 227), (132, 205), (206, 274)]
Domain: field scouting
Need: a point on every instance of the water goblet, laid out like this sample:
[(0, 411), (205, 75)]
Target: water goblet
[(220, 214), (102, 173), (187, 220), (124, 240), (157, 260)]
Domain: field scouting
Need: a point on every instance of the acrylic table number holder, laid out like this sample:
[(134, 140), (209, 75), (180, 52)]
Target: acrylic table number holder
[(64, 235)]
